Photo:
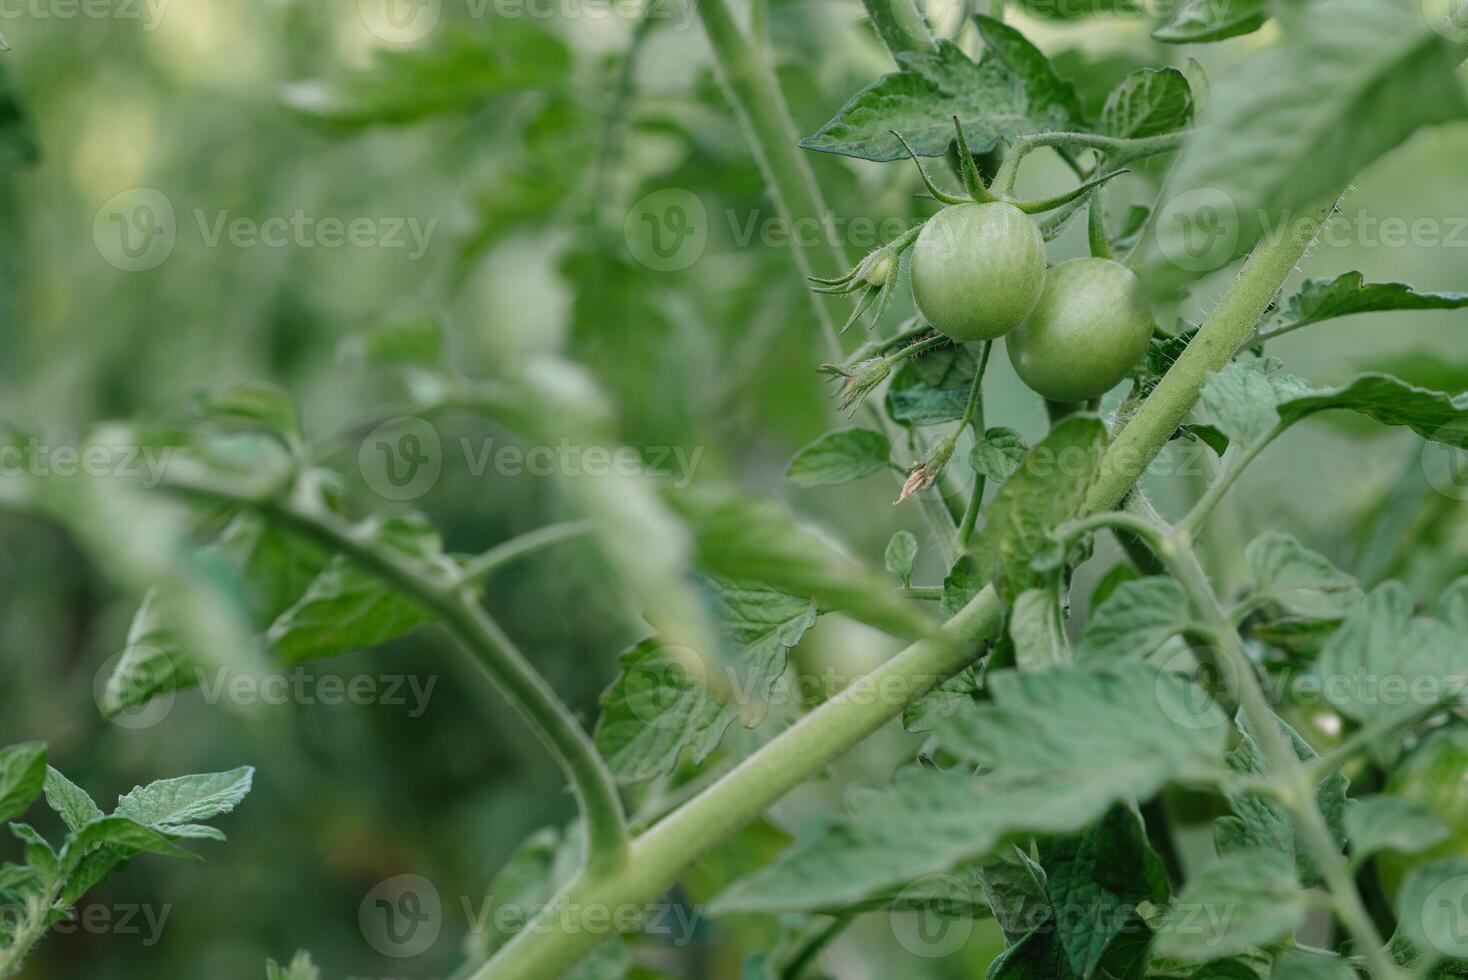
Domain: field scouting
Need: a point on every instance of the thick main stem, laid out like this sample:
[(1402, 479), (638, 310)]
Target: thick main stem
[(566, 930)]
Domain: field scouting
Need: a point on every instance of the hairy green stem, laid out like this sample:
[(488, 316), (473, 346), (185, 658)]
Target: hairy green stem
[(900, 25), (1289, 774), (974, 416), (1120, 149), (459, 606), (568, 928), (30, 930), (1193, 522), (1216, 343)]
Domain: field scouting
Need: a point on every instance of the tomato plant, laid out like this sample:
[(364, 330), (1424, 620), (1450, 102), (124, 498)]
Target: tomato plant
[(1091, 701)]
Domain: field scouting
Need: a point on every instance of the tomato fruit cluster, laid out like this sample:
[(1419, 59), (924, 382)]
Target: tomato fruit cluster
[(1073, 332)]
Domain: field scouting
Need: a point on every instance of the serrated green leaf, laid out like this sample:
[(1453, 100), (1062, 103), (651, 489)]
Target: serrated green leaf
[(943, 700), (1011, 92), (1098, 878), (840, 457), (1048, 489), (1248, 899), (1294, 124), (22, 777), (1261, 824), (1062, 746), (459, 70), (350, 608), (1349, 294), (1038, 630), (123, 834), (996, 456), (1148, 102), (745, 540), (1196, 21), (70, 801), (1390, 823), (170, 805), (1385, 663), (1299, 580), (275, 567), (900, 555), (1137, 618), (1431, 414), (94, 867), (300, 968), (656, 709), (1243, 399), (911, 401)]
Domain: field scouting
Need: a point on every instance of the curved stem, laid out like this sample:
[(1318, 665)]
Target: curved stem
[(900, 25), (1120, 149), (567, 929), (1291, 776), (458, 605), (525, 544), (974, 416), (1195, 518)]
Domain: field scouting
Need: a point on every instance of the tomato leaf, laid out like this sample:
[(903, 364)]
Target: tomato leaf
[(1391, 823), (1047, 490), (655, 709), (1385, 663), (1148, 102), (1062, 745), (1136, 618), (1259, 890), (1299, 580), (1013, 91), (22, 777), (840, 457), (1349, 294), (900, 555), (1259, 823), (1196, 21), (1295, 124)]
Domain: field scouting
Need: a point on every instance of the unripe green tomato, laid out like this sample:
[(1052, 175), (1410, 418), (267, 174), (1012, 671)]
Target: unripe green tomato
[(1435, 777), (977, 270), (1089, 328)]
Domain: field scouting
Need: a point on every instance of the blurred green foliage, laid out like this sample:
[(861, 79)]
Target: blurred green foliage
[(518, 147)]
